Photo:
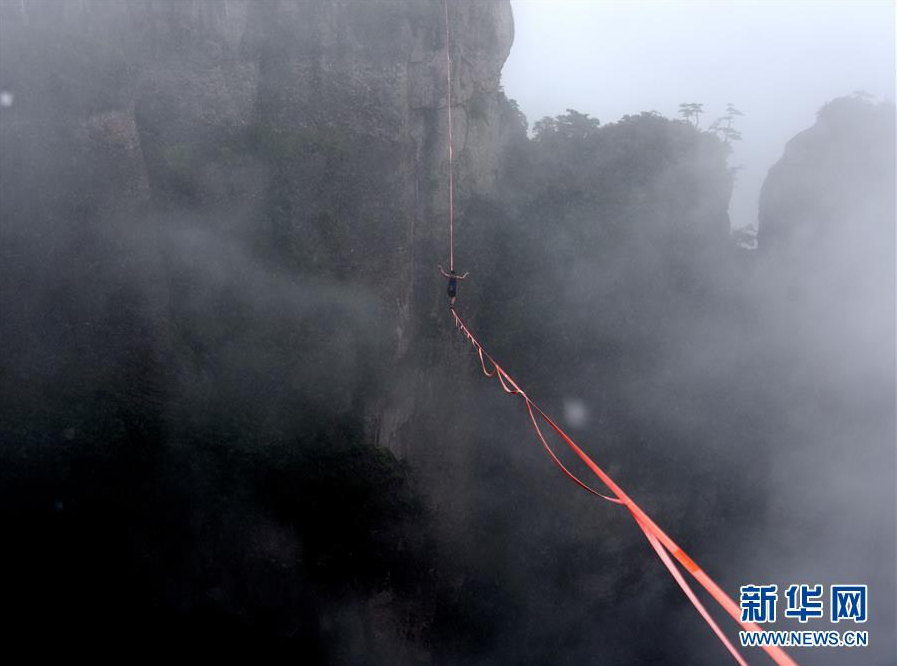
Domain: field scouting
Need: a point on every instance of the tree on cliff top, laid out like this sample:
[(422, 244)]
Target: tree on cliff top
[(691, 112)]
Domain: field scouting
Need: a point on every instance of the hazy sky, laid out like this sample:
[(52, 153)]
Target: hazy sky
[(778, 61)]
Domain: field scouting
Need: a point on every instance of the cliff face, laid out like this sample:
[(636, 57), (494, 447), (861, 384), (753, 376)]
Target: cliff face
[(359, 91), (312, 132), (832, 185), (219, 224), (826, 226), (826, 245), (826, 284)]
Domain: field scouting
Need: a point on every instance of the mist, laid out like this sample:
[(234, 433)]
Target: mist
[(236, 417)]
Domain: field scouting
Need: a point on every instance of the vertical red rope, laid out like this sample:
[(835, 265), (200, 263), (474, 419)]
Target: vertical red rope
[(448, 79)]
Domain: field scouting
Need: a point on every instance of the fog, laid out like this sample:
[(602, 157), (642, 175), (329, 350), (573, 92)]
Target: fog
[(235, 414)]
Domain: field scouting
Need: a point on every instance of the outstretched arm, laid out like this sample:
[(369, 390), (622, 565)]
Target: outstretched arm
[(462, 277), (442, 270)]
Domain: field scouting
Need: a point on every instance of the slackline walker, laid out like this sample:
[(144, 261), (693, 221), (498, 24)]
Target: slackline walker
[(667, 549)]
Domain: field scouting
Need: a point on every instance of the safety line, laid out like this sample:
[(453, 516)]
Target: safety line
[(451, 150)]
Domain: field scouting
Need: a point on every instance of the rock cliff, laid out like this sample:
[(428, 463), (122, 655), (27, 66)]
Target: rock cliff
[(312, 132), (825, 278), (219, 226)]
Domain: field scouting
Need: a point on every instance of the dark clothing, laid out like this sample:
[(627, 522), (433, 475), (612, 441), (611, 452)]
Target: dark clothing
[(452, 287)]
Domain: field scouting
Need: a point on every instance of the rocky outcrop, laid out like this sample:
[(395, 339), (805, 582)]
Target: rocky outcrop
[(834, 184), (826, 281), (359, 93), (826, 232)]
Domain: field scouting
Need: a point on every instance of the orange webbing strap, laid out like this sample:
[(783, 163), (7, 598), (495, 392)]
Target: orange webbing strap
[(503, 378), (658, 539), (448, 97), (574, 478), (683, 584)]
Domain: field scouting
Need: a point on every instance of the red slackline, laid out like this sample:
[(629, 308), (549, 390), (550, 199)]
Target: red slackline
[(656, 536)]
